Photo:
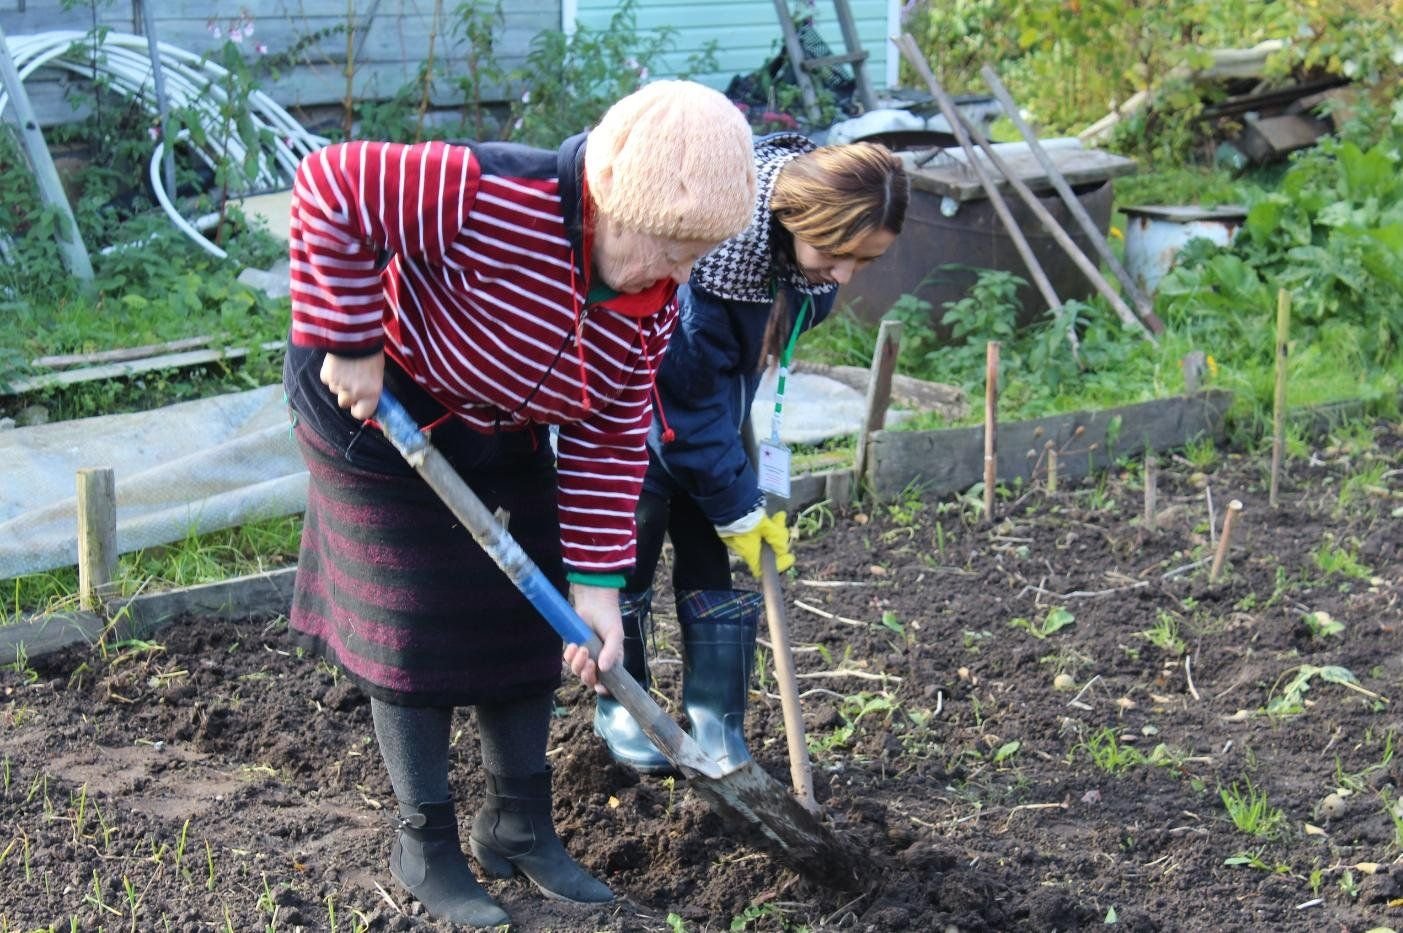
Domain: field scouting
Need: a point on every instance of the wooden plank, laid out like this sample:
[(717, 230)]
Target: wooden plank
[(141, 616), (953, 178), (127, 369), (951, 460), (37, 637), (237, 598), (68, 360)]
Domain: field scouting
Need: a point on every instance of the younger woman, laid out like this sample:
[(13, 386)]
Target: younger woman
[(820, 214)]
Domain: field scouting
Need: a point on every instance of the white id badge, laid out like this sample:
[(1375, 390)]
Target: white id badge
[(774, 468)]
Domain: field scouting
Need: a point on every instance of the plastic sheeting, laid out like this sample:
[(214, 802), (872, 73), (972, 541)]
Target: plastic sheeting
[(193, 467), (200, 466)]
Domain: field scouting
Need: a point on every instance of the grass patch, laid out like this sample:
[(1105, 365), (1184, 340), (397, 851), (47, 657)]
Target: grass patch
[(252, 548)]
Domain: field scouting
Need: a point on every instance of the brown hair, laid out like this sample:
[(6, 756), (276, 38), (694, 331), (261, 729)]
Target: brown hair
[(829, 198)]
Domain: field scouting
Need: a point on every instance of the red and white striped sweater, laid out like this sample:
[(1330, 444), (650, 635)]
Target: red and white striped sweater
[(479, 304)]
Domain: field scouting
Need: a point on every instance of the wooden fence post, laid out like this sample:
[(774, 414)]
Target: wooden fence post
[(878, 392), (97, 534)]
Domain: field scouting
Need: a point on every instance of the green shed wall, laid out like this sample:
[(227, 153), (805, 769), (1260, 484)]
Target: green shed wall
[(747, 33)]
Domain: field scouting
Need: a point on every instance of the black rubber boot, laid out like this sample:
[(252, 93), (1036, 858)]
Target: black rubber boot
[(628, 744), (718, 642), (514, 832), (428, 861)]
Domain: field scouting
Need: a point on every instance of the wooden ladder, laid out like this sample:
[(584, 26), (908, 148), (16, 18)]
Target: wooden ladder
[(804, 66)]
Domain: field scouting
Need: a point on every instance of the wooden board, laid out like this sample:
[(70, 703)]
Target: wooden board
[(952, 460), (128, 368), (950, 176), (141, 616)]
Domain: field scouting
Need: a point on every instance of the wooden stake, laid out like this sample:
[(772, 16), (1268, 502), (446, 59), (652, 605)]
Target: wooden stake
[(46, 178), (879, 381), (97, 534), (1234, 507), (1051, 450), (1193, 365), (1089, 229), (1278, 419), (1151, 481), (991, 424)]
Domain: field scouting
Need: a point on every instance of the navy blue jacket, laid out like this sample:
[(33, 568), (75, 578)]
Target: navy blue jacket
[(706, 385), (708, 376)]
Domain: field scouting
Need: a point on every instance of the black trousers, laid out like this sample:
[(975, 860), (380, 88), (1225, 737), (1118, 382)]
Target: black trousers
[(700, 560)]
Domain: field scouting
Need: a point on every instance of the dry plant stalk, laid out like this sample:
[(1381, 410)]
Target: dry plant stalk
[(1234, 507), (1051, 468)]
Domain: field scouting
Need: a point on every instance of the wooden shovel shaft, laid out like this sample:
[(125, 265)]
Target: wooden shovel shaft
[(800, 769)]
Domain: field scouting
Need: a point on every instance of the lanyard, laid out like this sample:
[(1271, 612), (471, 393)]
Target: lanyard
[(784, 359)]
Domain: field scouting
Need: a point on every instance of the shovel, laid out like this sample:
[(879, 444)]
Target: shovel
[(746, 797)]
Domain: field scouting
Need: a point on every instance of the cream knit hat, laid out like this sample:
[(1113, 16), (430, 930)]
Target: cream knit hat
[(673, 159)]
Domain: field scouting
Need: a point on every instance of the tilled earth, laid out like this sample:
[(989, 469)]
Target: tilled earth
[(213, 779)]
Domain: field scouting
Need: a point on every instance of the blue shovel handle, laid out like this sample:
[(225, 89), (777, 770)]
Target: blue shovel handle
[(404, 433)]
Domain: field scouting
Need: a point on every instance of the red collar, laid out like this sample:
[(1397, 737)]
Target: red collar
[(636, 305)]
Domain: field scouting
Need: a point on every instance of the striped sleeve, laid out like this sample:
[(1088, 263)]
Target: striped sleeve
[(352, 202), (601, 462)]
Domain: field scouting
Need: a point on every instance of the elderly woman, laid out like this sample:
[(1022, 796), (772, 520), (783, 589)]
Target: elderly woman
[(497, 291)]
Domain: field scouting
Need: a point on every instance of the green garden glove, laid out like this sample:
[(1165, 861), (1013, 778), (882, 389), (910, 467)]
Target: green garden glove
[(759, 527)]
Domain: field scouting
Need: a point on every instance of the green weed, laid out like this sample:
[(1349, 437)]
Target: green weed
[(813, 520), (1055, 619), (1250, 811), (1321, 624), (1334, 559), (1258, 861), (1289, 699), (1106, 752), (1164, 634)]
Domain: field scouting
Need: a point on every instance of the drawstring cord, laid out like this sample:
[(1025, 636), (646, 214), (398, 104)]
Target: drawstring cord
[(579, 336), (669, 435)]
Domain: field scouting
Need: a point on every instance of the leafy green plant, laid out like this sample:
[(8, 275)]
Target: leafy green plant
[(1290, 698), (814, 519), (1334, 559), (1258, 861), (1055, 619), (570, 80), (1250, 810), (1164, 634), (851, 710), (477, 24), (1321, 624)]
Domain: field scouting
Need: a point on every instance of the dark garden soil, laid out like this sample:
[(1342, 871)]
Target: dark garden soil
[(213, 780)]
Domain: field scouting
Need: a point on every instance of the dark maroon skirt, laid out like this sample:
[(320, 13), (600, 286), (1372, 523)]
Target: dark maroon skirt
[(392, 589)]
